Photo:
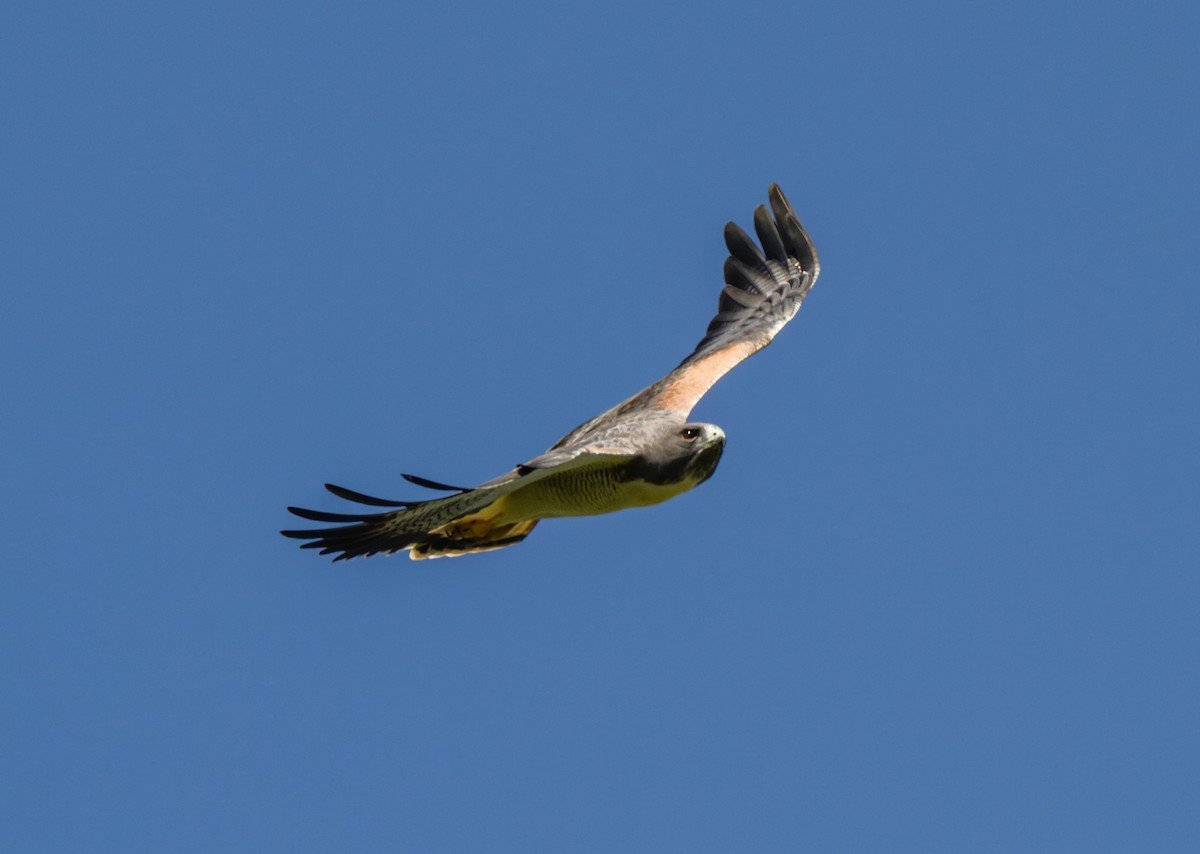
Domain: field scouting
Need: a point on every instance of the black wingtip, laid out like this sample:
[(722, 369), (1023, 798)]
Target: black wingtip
[(322, 516), (742, 247), (371, 501), (775, 194), (768, 236), (798, 243), (433, 484)]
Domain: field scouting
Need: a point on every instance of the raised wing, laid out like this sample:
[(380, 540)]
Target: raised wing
[(763, 291)]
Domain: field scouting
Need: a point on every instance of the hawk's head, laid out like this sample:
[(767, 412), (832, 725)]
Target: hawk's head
[(704, 444), (684, 454)]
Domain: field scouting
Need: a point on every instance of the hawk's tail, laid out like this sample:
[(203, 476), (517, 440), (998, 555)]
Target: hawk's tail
[(443, 527)]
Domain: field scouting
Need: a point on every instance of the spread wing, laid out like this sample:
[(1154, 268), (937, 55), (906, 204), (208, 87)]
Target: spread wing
[(763, 291), (472, 519), (414, 525)]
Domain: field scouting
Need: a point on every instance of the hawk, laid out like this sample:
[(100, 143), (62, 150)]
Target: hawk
[(641, 452)]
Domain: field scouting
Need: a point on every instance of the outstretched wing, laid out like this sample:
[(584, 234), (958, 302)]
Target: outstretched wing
[(491, 516), (763, 291), (416, 525)]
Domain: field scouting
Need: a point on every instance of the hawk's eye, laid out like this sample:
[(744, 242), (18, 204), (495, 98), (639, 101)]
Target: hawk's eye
[(690, 433)]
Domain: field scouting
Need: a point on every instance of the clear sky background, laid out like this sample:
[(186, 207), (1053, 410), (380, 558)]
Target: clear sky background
[(941, 594)]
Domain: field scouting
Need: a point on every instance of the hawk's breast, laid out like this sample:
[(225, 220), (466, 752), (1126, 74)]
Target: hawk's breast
[(603, 487)]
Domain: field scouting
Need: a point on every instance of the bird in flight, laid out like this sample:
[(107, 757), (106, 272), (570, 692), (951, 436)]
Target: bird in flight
[(640, 452)]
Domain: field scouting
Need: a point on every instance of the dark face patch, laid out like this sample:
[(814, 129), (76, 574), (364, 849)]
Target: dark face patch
[(704, 463), (695, 463)]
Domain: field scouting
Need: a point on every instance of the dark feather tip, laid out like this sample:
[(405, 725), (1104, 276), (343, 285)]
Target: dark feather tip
[(322, 516), (433, 484), (360, 498)]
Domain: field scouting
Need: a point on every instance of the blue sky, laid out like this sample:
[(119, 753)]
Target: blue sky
[(941, 594)]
